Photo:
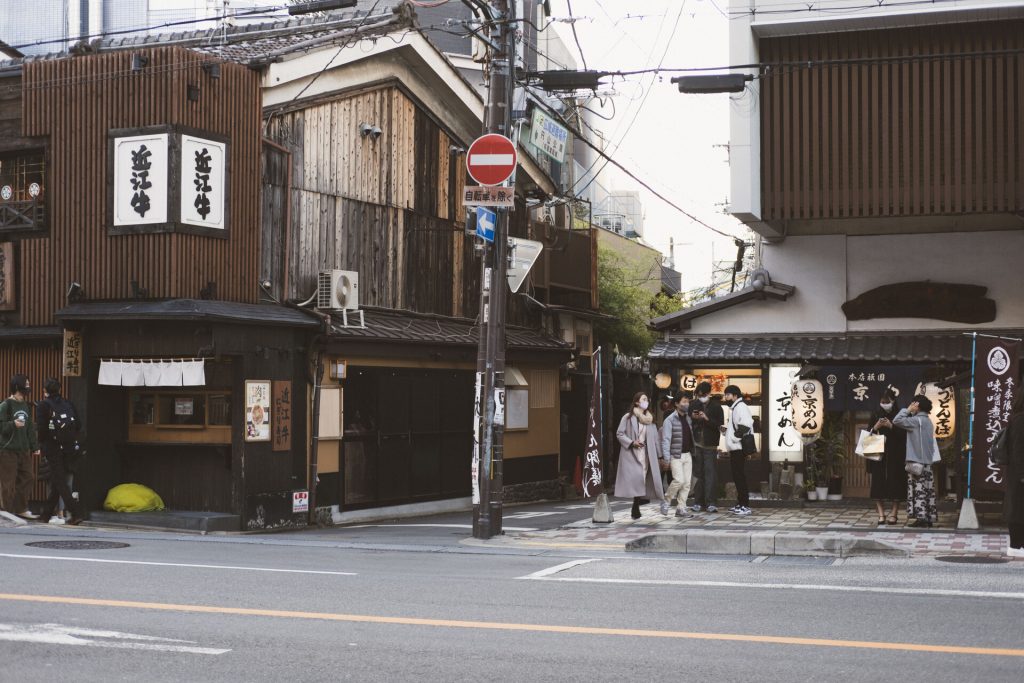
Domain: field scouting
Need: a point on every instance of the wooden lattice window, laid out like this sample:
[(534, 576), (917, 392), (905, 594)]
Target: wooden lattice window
[(22, 191)]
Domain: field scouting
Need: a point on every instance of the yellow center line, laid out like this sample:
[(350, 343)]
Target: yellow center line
[(507, 626)]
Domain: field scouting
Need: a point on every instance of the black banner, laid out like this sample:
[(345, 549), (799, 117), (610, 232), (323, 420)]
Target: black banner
[(860, 387), (996, 374)]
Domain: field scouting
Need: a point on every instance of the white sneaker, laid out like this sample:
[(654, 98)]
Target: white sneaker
[(28, 514), (1014, 552), (56, 520), (743, 511)]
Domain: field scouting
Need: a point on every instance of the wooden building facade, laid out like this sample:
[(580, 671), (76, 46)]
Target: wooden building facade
[(156, 292)]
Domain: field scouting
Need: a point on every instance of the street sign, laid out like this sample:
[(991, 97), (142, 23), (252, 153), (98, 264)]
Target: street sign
[(524, 255), (474, 195), (485, 222), (548, 136), (491, 159)]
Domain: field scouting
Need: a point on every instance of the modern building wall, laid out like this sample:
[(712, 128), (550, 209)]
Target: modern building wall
[(829, 270)]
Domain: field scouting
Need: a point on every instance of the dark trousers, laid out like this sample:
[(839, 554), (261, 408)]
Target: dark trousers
[(1017, 535), (705, 470), (738, 462), (58, 485)]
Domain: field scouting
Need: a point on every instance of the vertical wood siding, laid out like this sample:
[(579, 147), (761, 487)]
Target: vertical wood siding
[(73, 103), (388, 208), (915, 138)]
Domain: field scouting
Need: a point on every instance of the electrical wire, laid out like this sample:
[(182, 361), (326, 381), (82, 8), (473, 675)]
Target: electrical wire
[(575, 37)]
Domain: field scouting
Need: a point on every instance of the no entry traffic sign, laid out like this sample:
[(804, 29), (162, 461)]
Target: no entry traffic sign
[(491, 159)]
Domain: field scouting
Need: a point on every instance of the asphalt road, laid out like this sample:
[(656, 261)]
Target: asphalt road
[(299, 607)]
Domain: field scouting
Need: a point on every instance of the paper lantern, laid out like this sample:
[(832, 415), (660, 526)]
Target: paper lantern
[(943, 408), (663, 380), (688, 382), (808, 406)]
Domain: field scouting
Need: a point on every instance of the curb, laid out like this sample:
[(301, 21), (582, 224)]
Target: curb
[(763, 543)]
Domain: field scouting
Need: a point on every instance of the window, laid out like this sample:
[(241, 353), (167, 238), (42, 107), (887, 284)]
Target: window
[(180, 416), (517, 400), (22, 191)]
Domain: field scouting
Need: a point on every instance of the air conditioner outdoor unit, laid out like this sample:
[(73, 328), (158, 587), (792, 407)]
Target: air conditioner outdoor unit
[(338, 290)]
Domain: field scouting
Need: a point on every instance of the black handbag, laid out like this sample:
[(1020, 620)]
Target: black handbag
[(748, 445)]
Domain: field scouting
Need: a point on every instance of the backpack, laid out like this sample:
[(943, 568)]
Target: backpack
[(999, 451), (64, 426)]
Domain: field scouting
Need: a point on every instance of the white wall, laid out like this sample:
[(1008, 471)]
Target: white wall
[(829, 270)]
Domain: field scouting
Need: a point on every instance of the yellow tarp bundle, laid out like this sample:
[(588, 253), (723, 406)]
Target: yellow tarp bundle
[(132, 498)]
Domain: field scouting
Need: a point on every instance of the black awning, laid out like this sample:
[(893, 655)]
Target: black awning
[(30, 333), (188, 309), (890, 347), (403, 327)]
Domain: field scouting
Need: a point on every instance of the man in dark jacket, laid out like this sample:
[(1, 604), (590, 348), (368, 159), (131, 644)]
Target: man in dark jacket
[(58, 440), (17, 446), (707, 417)]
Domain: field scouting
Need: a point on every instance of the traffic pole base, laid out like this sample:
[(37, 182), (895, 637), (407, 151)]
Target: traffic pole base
[(968, 515), (603, 510)]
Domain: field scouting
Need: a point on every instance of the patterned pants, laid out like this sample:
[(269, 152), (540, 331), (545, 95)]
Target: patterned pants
[(921, 496)]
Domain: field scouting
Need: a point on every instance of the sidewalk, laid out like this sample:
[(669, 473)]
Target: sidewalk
[(823, 528)]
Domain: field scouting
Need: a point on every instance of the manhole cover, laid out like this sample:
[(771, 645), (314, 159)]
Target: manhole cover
[(969, 559), (77, 545)]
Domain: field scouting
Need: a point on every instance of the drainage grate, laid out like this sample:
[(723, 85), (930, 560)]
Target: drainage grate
[(971, 559), (77, 545)]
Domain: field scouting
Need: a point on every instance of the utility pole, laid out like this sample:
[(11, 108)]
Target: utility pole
[(490, 430)]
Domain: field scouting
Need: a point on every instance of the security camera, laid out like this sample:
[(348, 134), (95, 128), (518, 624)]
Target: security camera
[(455, 150), (265, 284), (74, 291), (375, 132), (365, 129)]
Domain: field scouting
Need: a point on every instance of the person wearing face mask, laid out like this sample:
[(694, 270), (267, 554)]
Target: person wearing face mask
[(17, 446), (707, 417), (888, 475), (638, 474), (741, 422), (676, 449)]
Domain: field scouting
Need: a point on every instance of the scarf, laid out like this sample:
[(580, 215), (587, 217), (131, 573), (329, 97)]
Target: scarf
[(643, 419)]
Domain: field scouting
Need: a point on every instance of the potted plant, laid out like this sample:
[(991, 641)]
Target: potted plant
[(830, 455), (812, 493)]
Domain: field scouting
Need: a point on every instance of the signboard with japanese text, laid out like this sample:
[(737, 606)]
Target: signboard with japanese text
[(997, 372), (141, 167), (593, 477), (282, 409), (7, 279), (548, 136), (943, 407), (489, 196), (808, 406), (257, 410), (300, 501), (784, 441), (203, 165), (860, 387), (72, 355)]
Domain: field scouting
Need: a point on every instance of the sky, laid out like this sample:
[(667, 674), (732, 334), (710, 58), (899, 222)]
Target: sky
[(677, 143)]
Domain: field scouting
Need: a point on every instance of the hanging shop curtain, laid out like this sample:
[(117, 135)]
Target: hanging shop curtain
[(153, 373)]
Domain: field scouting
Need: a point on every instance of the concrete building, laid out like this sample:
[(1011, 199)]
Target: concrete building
[(887, 194)]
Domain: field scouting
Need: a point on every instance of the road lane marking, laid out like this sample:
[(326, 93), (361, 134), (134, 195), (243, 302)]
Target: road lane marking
[(56, 634), (799, 586), (439, 526), (509, 626), (558, 568), (174, 564)]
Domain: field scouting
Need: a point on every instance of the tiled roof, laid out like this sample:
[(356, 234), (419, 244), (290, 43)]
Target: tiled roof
[(905, 347), (188, 309), (681, 319), (263, 42), (388, 326)]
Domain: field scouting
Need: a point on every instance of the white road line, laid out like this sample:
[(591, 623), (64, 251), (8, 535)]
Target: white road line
[(174, 564), (539, 576), (55, 634), (558, 568), (439, 526)]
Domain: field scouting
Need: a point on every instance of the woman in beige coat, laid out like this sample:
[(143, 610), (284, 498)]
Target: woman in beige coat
[(638, 475)]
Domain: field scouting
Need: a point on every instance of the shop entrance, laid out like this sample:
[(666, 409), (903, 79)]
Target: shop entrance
[(407, 438)]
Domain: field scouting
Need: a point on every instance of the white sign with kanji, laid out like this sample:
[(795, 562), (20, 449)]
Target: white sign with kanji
[(202, 182)]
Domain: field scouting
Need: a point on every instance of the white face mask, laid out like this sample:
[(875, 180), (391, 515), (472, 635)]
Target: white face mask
[(643, 404), (683, 408), (705, 399), (886, 406)]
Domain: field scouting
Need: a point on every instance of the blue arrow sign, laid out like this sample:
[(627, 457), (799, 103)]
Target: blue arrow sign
[(485, 222)]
